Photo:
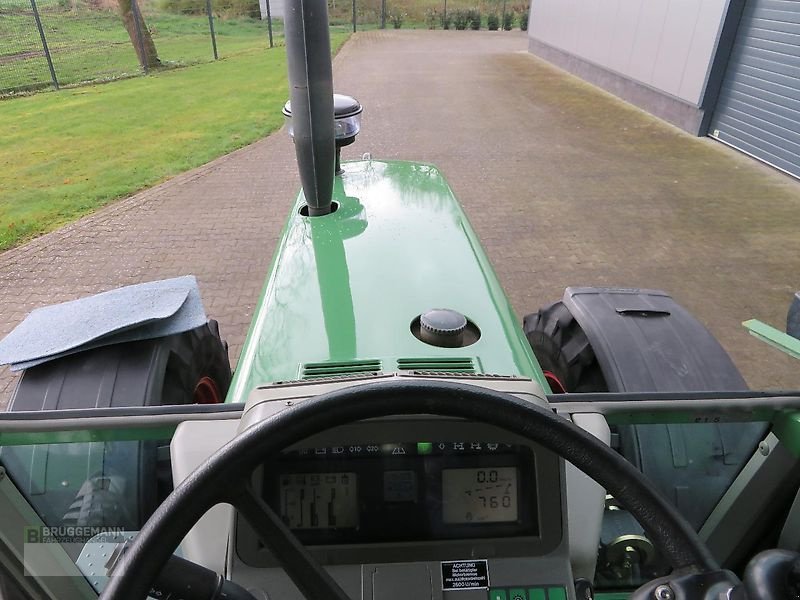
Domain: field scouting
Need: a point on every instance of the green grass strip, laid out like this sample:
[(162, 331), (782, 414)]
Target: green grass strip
[(64, 154)]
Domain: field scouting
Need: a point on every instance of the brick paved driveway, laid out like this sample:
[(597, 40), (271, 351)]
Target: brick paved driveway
[(564, 184)]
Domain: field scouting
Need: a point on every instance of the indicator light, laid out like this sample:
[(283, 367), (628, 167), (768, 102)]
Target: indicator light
[(424, 447)]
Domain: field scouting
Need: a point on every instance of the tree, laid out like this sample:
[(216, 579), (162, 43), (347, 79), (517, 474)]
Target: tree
[(139, 34)]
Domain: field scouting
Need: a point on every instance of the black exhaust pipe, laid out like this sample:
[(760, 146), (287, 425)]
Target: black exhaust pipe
[(308, 49)]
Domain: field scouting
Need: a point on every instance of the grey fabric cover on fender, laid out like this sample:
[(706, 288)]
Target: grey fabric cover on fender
[(144, 311)]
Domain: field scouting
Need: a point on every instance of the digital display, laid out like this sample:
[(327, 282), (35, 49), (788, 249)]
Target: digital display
[(397, 490), (319, 500), (400, 486), (483, 495)]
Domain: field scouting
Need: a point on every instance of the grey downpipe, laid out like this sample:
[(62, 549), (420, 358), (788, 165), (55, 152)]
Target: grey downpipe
[(308, 49)]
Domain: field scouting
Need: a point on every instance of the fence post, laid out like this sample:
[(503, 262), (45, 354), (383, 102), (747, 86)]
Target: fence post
[(444, 16), (269, 24), (503, 24), (354, 16), (211, 29), (137, 23), (44, 44), (383, 14)]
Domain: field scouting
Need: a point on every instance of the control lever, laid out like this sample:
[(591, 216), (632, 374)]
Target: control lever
[(709, 585), (773, 575), (181, 579)]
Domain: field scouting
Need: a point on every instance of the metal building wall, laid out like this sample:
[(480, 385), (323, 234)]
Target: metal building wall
[(654, 53)]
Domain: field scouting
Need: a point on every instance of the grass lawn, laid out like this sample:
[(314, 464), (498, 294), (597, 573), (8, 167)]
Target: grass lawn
[(89, 45), (64, 154)]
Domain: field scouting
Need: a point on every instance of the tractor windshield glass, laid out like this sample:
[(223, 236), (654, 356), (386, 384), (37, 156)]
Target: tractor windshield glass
[(85, 493), (88, 496), (64, 505), (98, 484)]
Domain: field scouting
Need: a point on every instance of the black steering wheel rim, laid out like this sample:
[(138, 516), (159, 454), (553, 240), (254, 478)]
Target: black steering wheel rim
[(223, 476)]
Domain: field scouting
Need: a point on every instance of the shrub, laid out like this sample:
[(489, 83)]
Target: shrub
[(397, 20), (226, 8), (492, 22), (447, 20), (474, 19), (237, 8), (432, 18), (460, 20), (177, 6), (508, 21), (523, 21)]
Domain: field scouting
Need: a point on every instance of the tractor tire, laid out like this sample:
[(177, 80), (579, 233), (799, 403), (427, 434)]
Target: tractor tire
[(562, 349), (127, 480), (156, 372), (198, 370)]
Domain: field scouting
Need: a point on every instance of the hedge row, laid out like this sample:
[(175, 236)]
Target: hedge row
[(472, 19)]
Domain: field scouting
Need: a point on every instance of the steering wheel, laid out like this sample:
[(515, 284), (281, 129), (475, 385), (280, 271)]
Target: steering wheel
[(226, 476)]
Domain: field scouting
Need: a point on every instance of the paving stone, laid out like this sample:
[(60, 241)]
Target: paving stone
[(565, 185)]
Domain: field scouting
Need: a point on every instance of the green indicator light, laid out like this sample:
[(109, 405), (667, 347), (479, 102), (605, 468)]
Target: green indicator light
[(537, 594), (424, 447)]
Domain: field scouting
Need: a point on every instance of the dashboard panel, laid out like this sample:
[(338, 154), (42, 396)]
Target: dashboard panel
[(407, 491), (373, 527), (370, 492)]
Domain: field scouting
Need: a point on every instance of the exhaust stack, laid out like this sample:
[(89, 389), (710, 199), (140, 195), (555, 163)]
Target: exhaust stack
[(308, 49)]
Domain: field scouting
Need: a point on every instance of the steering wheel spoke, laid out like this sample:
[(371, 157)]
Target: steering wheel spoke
[(312, 579)]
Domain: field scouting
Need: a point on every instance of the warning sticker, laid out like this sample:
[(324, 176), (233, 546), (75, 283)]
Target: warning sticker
[(465, 575)]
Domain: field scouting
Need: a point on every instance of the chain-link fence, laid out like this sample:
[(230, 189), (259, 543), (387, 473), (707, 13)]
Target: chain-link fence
[(46, 43), (53, 43)]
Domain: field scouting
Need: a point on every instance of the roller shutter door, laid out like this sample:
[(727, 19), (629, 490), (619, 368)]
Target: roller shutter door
[(758, 110)]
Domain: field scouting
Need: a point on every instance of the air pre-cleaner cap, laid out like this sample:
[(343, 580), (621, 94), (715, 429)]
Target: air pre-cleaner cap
[(442, 327)]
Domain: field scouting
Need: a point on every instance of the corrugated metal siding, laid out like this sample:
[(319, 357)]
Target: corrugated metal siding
[(758, 110)]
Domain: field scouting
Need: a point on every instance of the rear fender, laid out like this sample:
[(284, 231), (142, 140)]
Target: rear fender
[(646, 342)]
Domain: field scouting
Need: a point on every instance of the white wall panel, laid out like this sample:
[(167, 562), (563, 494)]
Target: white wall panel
[(648, 40), (626, 24), (665, 44), (702, 47), (275, 8), (680, 26)]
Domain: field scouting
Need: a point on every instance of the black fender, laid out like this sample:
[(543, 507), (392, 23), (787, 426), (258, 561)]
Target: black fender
[(644, 341)]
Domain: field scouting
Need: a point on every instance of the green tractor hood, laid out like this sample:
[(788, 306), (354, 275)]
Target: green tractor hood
[(345, 288)]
